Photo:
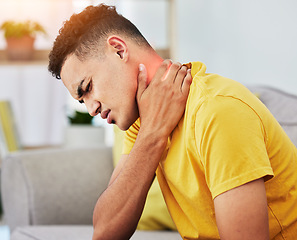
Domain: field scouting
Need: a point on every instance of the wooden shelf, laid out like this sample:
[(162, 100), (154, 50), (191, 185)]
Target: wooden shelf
[(39, 57)]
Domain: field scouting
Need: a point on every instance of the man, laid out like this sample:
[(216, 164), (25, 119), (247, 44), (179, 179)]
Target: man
[(226, 168)]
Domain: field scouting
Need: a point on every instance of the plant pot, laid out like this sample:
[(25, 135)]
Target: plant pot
[(20, 48), (83, 135)]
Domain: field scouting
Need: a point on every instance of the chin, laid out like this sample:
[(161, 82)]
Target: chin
[(124, 121), (124, 129), (125, 125)]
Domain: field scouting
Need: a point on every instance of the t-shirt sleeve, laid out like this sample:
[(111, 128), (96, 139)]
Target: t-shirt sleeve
[(231, 142), (130, 137)]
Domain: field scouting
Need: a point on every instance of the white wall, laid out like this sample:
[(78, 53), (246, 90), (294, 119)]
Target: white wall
[(50, 14), (250, 41), (38, 103)]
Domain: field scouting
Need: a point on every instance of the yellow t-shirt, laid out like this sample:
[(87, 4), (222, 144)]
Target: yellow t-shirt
[(225, 139)]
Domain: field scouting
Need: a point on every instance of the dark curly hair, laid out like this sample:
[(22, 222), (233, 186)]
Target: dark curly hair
[(83, 32)]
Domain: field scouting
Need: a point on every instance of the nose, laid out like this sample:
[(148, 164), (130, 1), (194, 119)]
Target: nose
[(93, 106)]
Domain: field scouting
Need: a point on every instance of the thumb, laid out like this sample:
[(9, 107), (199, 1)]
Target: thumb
[(142, 81)]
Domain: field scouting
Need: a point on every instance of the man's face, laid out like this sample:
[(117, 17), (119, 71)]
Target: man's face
[(107, 86)]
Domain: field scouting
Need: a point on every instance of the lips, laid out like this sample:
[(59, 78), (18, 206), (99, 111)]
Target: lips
[(106, 115), (109, 120)]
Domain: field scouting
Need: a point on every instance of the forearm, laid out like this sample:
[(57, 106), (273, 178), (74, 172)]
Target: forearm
[(161, 105), (119, 208)]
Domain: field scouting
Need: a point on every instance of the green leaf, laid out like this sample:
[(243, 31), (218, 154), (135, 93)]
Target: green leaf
[(20, 29)]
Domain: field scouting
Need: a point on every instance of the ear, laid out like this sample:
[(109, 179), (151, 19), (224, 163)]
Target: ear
[(119, 46)]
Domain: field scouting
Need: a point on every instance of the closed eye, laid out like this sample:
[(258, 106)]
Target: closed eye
[(89, 87), (84, 92)]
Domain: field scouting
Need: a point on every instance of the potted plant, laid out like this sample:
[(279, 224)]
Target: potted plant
[(20, 37), (80, 118), (81, 132)]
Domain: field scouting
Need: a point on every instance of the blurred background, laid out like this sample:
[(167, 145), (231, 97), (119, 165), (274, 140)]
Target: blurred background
[(253, 42)]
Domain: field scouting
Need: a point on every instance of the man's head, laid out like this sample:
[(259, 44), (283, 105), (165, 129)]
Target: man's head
[(84, 35), (96, 54)]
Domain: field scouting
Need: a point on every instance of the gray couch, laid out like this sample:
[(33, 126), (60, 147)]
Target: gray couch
[(50, 194)]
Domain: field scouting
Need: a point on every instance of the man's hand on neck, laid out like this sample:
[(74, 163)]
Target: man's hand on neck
[(162, 102)]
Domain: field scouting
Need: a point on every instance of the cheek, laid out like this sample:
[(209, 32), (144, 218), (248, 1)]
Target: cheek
[(128, 89), (122, 90)]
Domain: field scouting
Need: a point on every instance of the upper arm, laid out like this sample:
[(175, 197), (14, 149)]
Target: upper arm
[(118, 168), (241, 213)]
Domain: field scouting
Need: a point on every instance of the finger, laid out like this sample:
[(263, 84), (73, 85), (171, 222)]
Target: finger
[(159, 75), (185, 88), (142, 81), (172, 72), (182, 72)]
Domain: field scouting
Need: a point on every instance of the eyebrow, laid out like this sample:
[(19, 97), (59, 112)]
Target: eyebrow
[(80, 91)]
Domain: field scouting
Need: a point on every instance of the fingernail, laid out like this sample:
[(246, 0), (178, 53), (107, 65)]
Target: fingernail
[(141, 67)]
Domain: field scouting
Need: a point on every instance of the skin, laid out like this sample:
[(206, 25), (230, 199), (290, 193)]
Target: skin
[(132, 81), (241, 213), (102, 75)]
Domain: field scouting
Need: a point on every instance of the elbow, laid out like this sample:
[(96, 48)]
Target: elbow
[(100, 229), (112, 230), (103, 233), (97, 234), (112, 227), (109, 230)]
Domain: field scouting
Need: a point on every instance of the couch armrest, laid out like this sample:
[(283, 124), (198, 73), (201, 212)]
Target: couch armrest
[(58, 186)]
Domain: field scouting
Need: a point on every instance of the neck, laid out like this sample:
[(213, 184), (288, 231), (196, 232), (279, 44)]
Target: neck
[(151, 61)]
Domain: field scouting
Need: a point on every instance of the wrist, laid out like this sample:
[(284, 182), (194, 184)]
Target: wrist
[(153, 140)]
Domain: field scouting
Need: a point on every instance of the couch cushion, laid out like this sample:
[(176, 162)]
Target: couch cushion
[(81, 233), (62, 186)]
